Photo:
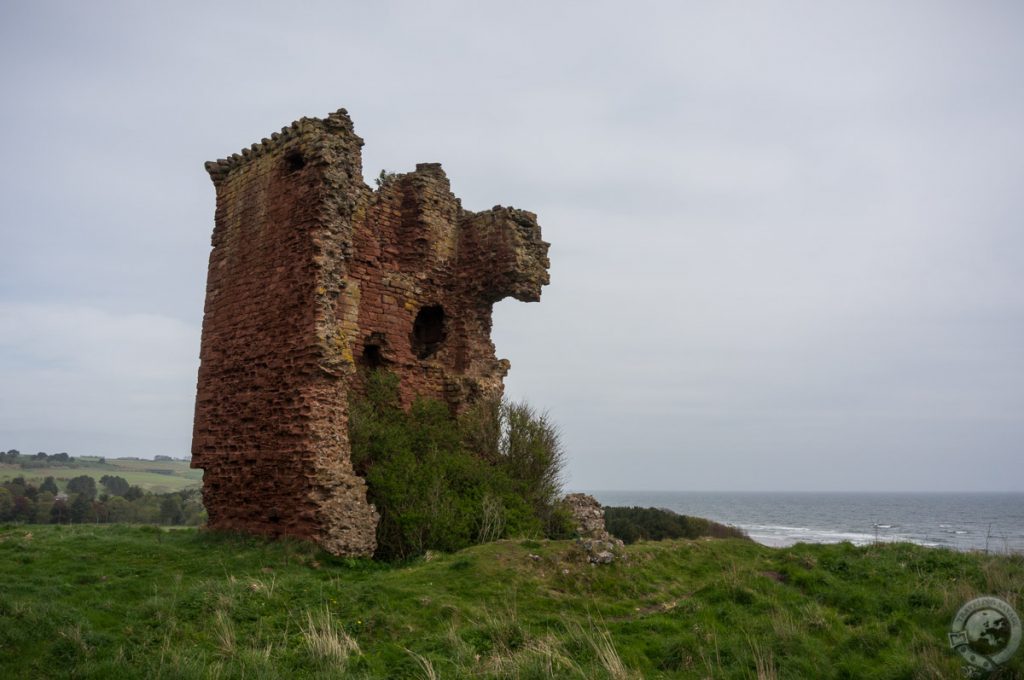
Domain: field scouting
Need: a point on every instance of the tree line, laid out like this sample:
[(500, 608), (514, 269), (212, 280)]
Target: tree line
[(656, 524), (43, 459), (82, 501)]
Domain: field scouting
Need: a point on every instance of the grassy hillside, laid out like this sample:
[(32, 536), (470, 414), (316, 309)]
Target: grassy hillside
[(158, 476), (124, 602)]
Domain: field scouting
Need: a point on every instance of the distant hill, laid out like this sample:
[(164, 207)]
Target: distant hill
[(157, 476)]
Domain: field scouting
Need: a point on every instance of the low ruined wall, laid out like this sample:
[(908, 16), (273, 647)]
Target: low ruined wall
[(592, 536)]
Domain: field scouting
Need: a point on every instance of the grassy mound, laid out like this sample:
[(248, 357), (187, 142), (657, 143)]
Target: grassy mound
[(126, 602)]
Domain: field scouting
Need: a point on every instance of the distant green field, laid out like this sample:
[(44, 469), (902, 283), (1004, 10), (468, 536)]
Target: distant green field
[(157, 476)]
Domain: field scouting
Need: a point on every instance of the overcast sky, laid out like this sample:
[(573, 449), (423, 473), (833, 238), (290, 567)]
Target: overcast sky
[(787, 244)]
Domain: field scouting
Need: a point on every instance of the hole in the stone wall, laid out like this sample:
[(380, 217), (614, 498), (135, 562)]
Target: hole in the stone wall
[(372, 357), (294, 161), (428, 331)]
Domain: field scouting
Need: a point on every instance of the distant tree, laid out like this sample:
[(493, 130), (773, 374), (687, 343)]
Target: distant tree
[(59, 512), (118, 510), (16, 486), (115, 485), (171, 509), (6, 505), (83, 485), (11, 456), (158, 457), (61, 457), (24, 509), (81, 509), (49, 485), (134, 493), (146, 509), (44, 507), (41, 455)]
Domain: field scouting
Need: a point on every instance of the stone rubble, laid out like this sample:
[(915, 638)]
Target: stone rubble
[(592, 536)]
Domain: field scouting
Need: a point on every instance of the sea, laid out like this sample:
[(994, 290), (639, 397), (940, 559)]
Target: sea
[(961, 521)]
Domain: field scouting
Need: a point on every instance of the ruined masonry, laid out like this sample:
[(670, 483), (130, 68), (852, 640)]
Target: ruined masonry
[(593, 537), (314, 277)]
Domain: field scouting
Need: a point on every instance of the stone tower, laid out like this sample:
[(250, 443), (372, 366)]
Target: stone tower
[(314, 276)]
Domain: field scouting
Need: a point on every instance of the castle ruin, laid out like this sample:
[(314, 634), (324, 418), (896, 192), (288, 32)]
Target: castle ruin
[(314, 277)]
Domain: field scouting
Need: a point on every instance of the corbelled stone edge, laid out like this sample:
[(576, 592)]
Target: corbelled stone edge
[(220, 168)]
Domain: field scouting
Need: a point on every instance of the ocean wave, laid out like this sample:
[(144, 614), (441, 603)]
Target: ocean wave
[(777, 534)]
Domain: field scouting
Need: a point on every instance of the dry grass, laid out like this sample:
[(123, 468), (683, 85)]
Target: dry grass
[(73, 634), (263, 586), (764, 664), (326, 641), (714, 664), (425, 666), (544, 657), (784, 625), (999, 580), (224, 632), (956, 594), (601, 644), (934, 662)]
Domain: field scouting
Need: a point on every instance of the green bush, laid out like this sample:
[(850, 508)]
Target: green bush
[(525, 446), (443, 483), (655, 524)]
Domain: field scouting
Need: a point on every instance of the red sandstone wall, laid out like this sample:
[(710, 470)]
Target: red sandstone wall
[(417, 248), (313, 277)]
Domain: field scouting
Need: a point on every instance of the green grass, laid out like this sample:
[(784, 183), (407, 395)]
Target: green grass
[(127, 602), (180, 476)]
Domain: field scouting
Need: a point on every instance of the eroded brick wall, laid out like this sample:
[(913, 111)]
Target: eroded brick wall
[(314, 278)]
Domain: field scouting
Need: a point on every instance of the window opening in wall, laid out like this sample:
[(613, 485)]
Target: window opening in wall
[(294, 161), (428, 331), (372, 357)]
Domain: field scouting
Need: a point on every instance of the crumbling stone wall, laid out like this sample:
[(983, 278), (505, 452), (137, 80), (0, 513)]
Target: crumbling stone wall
[(313, 276), (592, 536)]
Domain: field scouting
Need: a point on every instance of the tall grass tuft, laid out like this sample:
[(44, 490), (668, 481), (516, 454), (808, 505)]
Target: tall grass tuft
[(425, 666), (599, 641), (764, 664), (325, 641), (224, 632)]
